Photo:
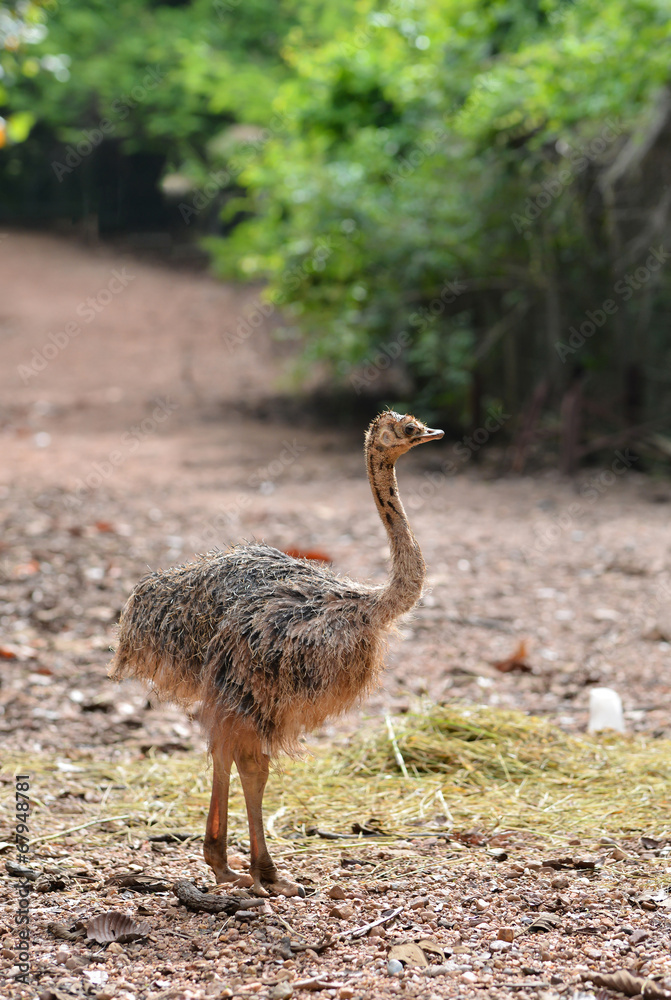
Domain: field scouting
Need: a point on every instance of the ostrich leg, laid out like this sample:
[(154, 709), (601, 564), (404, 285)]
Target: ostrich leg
[(215, 846), (252, 765)]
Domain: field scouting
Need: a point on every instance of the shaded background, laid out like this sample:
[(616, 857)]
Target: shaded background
[(232, 231), (229, 233), (450, 205)]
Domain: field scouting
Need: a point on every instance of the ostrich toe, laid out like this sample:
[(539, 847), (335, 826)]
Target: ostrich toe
[(226, 875), (278, 887)]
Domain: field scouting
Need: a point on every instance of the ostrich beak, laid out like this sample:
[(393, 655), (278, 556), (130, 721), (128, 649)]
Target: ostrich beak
[(431, 435)]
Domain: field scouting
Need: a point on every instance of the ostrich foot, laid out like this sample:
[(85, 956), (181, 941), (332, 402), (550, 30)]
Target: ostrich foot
[(237, 879), (277, 886)]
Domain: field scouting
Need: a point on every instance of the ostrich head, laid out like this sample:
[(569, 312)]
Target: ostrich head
[(395, 434)]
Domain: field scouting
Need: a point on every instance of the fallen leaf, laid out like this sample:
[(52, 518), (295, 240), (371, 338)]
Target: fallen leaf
[(369, 829), (471, 837), (580, 864), (518, 661), (652, 899), (15, 651), (67, 934), (313, 554), (138, 883), (409, 953), (115, 926), (431, 946), (545, 922), (631, 986), (652, 843)]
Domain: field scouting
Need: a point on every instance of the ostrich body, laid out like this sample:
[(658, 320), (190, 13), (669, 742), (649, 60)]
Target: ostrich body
[(270, 646)]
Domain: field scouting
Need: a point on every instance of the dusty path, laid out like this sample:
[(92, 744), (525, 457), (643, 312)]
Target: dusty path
[(148, 435), (145, 419)]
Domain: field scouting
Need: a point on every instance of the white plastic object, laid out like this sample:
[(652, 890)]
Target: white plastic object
[(605, 710)]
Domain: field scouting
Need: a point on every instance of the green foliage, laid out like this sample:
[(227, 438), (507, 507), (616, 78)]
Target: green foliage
[(441, 142), (424, 173)]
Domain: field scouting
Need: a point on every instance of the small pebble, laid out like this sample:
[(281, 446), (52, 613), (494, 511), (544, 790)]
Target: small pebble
[(419, 902), (469, 977), (505, 934), (341, 912), (560, 882), (499, 945), (437, 970), (336, 892), (482, 904), (282, 991), (75, 963), (394, 967), (346, 993)]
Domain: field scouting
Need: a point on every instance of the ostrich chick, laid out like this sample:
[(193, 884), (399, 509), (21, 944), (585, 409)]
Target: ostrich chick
[(270, 646)]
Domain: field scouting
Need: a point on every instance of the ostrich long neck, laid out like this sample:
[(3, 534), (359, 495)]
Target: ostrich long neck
[(408, 569)]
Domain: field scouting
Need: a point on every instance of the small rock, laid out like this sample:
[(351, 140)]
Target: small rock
[(469, 977), (638, 936), (437, 970), (114, 948), (341, 912), (75, 963), (419, 902), (559, 882), (505, 934), (593, 953), (482, 905), (346, 993), (394, 967), (499, 945), (336, 892), (282, 991)]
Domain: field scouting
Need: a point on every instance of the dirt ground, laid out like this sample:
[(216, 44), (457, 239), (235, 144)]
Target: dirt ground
[(142, 420)]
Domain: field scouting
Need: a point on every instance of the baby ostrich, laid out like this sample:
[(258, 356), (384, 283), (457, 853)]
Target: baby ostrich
[(270, 646)]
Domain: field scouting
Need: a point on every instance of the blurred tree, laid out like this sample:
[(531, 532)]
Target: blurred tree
[(461, 161), (462, 191)]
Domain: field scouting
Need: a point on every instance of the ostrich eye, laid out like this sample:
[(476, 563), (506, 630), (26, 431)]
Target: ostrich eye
[(410, 429)]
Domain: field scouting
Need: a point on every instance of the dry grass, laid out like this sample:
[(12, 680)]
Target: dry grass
[(467, 767)]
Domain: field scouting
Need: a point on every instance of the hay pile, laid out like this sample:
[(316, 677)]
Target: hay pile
[(446, 767)]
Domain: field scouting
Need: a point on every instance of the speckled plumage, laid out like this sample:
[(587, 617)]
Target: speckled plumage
[(251, 632), (269, 646)]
